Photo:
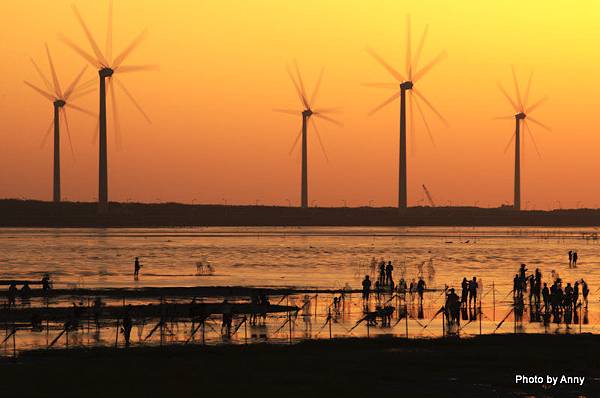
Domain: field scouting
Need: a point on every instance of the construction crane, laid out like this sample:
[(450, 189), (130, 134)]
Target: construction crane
[(428, 195)]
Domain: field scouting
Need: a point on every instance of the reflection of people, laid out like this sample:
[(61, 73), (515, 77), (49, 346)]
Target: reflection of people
[(136, 267)]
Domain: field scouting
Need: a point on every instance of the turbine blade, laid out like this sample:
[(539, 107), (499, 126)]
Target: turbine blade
[(99, 56), (536, 104), (57, 89), (381, 85), (411, 121), (512, 138), (520, 101), (63, 113), (295, 142), (329, 119), (40, 91), (129, 49), (317, 87), (539, 123), (503, 117), (527, 89), (137, 105), (514, 105), (137, 68), (80, 109), (439, 115), (288, 111), (109, 33), (535, 146), (335, 109), (79, 94), (387, 66), (314, 126), (425, 122), (41, 74), (420, 48), (84, 54), (300, 95), (408, 48), (72, 86), (116, 120), (47, 134), (423, 71), (384, 103), (300, 81)]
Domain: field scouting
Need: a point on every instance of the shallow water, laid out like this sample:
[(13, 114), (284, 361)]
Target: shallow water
[(300, 257)]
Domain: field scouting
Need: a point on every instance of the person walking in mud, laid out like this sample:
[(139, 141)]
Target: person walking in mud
[(464, 295), (136, 268), (575, 256), (420, 289), (473, 291), (546, 297), (127, 325), (585, 290), (570, 258), (12, 294), (389, 269), (382, 272), (516, 286), (366, 289)]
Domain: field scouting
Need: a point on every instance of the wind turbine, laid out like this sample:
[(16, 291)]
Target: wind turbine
[(407, 83), (108, 66), (307, 113), (60, 100), (523, 108)]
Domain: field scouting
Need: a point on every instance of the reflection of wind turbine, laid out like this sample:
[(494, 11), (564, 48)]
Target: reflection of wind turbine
[(108, 66), (306, 116), (407, 84), (59, 99), (522, 107)]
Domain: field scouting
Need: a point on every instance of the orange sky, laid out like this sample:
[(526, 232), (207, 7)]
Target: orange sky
[(214, 136)]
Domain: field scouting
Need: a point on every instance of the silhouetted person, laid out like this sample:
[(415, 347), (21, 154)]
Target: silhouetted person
[(97, 311), (25, 291), (453, 306), (516, 286), (546, 296), (464, 292), (127, 325), (575, 293), (382, 272), (585, 290), (227, 318), (366, 288), (570, 258), (377, 289), (531, 287), (568, 297), (136, 267), (46, 284), (575, 259), (420, 290), (389, 269), (473, 291), (12, 294)]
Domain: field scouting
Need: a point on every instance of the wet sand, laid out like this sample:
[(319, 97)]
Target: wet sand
[(477, 367)]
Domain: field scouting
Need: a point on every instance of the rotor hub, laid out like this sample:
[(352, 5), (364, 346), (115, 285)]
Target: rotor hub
[(307, 113), (520, 116), (59, 103), (105, 72), (407, 85)]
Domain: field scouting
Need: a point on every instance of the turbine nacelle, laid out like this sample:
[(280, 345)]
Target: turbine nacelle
[(520, 116), (307, 113), (406, 85), (105, 72), (59, 103)]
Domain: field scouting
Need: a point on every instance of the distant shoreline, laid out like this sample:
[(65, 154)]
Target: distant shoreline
[(32, 213)]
